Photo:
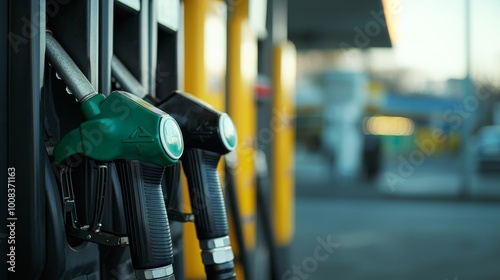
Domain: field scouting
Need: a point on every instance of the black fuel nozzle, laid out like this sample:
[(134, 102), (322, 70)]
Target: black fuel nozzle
[(208, 134)]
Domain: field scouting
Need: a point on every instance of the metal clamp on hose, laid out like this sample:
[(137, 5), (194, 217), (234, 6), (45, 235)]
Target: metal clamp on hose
[(164, 273), (215, 243), (216, 251), (217, 256)]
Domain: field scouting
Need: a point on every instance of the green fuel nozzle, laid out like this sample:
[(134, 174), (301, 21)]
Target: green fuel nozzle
[(120, 126), (142, 140)]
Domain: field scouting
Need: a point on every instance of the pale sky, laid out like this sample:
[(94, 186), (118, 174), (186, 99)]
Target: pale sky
[(431, 38)]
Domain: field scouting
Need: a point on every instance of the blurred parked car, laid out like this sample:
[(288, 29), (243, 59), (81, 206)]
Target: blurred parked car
[(488, 149)]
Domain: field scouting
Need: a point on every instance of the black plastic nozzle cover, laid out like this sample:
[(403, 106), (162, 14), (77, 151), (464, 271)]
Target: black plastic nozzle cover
[(198, 121)]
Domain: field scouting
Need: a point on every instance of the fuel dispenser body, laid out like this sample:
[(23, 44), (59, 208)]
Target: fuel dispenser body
[(108, 101)]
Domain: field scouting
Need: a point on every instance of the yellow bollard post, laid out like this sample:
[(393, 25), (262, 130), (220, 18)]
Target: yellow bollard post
[(205, 44), (282, 123), (242, 109)]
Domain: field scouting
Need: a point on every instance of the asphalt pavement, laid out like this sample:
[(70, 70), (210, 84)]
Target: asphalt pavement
[(422, 227), (391, 239)]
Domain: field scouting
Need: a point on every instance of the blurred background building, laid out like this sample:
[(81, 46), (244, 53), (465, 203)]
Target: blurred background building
[(433, 63), (398, 147)]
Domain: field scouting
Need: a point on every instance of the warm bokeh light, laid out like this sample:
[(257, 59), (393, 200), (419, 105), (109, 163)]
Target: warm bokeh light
[(387, 125)]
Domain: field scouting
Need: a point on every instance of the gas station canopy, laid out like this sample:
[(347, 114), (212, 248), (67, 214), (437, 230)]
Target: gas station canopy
[(330, 24)]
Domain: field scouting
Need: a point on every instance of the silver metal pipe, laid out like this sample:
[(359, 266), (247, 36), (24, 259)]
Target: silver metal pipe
[(76, 81), (126, 79)]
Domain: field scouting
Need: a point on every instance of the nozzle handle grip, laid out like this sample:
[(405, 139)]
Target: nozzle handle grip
[(146, 215), (207, 201)]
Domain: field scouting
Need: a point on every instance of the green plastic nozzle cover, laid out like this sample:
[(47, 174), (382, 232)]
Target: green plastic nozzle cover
[(123, 126)]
